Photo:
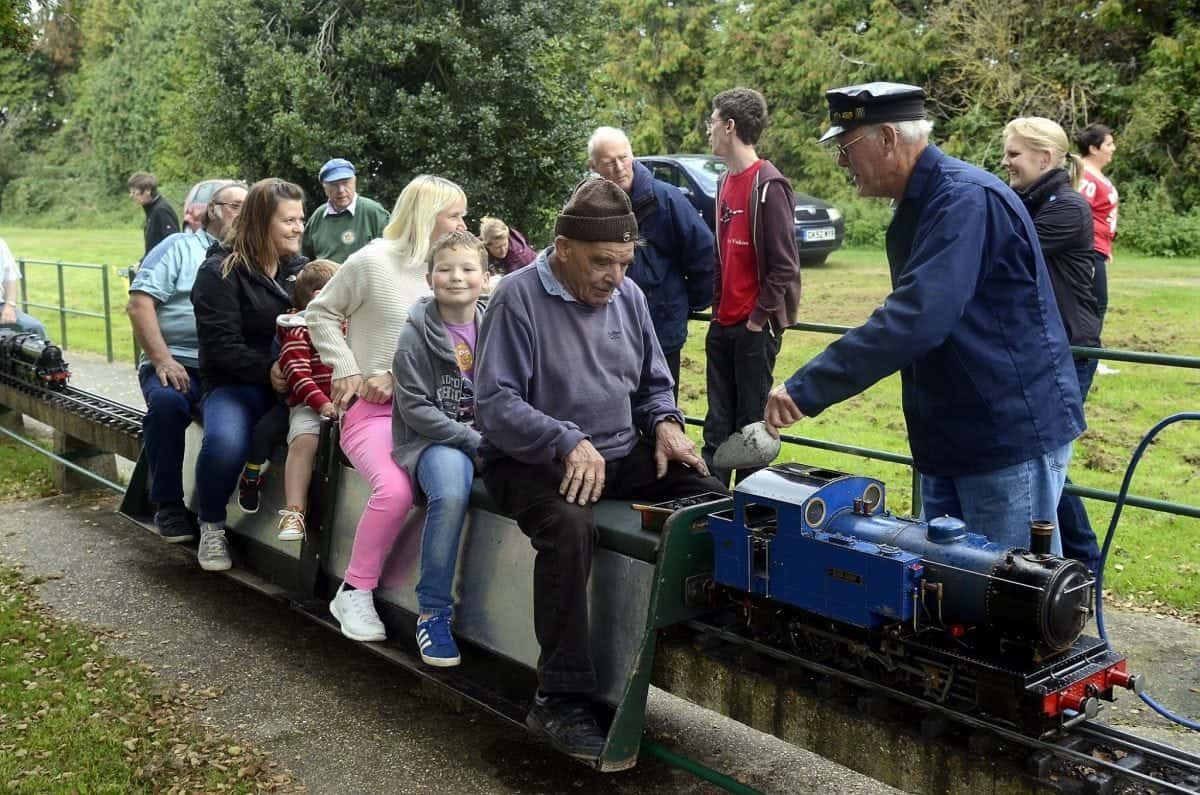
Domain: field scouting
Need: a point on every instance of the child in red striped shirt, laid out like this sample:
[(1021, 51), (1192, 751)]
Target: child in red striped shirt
[(308, 381)]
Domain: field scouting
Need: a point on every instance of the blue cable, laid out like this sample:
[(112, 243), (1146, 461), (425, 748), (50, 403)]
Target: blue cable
[(1112, 526)]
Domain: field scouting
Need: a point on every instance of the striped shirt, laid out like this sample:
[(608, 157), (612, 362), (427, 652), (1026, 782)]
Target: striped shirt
[(309, 380)]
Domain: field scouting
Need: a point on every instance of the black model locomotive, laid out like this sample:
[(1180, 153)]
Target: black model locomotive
[(816, 561), (29, 359)]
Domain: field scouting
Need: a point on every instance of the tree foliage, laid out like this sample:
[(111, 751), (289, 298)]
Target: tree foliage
[(500, 94)]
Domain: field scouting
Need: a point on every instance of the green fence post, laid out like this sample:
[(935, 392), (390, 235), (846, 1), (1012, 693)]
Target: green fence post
[(62, 307), (24, 286), (108, 344)]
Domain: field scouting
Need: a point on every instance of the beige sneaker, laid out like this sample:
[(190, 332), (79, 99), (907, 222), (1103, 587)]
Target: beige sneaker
[(291, 524)]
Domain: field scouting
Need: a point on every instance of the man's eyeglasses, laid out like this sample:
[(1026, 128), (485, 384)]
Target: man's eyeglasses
[(842, 150), (710, 123), (231, 205)]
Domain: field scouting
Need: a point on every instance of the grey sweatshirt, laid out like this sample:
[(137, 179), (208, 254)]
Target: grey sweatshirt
[(552, 371), (428, 389)]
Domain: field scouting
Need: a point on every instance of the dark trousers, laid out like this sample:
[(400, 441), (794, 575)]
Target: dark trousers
[(673, 365), (168, 415), (564, 535), (1078, 537), (741, 364), (1100, 285)]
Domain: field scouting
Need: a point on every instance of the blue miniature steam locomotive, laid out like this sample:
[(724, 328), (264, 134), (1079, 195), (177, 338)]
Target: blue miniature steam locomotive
[(926, 606)]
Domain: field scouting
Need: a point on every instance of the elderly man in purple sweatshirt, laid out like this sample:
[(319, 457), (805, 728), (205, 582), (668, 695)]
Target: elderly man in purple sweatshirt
[(574, 401)]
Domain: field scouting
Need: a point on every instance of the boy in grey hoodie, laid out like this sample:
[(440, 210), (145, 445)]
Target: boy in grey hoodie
[(433, 416)]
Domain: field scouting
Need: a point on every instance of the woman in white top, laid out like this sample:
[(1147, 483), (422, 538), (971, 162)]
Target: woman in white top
[(371, 294)]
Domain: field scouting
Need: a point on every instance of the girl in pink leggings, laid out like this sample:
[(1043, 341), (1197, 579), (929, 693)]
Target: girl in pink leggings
[(371, 293)]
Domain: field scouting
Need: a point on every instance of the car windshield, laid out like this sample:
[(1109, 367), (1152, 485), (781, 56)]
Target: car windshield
[(706, 170)]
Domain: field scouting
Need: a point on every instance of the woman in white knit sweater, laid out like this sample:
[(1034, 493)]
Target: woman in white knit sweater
[(371, 293)]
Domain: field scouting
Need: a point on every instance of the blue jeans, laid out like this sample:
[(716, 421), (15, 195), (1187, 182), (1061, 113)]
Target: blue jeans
[(1001, 504), (168, 415), (26, 322), (445, 475), (230, 414), (1078, 537)]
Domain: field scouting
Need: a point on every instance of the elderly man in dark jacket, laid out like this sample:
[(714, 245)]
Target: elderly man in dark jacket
[(990, 394), (674, 265)]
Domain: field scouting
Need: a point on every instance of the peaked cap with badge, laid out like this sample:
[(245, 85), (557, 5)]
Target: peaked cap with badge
[(872, 103)]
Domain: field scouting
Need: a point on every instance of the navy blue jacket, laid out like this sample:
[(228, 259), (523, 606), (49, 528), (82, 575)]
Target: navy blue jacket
[(674, 267), (971, 324)]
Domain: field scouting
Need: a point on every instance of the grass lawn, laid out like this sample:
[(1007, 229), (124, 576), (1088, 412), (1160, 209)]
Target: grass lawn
[(76, 718), (1154, 306)]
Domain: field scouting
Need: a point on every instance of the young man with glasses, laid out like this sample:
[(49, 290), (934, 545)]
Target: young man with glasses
[(160, 312), (756, 284)]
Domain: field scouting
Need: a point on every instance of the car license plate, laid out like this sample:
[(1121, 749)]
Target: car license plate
[(824, 233)]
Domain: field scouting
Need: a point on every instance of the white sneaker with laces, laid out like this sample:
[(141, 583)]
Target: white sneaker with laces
[(355, 611), (213, 552), (1103, 369)]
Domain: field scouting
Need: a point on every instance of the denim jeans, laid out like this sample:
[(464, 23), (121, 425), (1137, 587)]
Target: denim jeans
[(168, 415), (740, 369), (445, 475), (230, 414), (1078, 536), (1001, 504), (26, 322)]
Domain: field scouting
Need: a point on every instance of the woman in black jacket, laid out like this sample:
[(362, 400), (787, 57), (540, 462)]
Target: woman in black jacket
[(1044, 173), (237, 296)]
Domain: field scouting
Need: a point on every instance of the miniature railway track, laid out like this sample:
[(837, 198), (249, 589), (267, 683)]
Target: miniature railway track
[(1089, 758), (96, 408)]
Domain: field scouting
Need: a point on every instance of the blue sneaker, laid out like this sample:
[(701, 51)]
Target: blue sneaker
[(436, 644)]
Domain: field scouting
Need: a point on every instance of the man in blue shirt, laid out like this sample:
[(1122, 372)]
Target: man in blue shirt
[(160, 312), (989, 390)]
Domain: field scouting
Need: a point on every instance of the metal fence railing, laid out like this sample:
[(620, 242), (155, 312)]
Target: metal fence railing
[(61, 307), (1110, 354)]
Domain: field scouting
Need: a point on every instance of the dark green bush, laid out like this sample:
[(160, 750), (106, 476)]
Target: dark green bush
[(1149, 224)]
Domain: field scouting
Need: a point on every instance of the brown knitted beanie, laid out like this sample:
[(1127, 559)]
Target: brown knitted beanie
[(598, 211)]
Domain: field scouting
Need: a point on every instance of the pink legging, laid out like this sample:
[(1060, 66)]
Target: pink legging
[(367, 442)]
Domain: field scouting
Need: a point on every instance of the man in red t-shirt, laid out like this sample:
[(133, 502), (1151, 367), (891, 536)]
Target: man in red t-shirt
[(756, 284)]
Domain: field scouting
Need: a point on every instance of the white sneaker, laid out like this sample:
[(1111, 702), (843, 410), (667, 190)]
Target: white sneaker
[(1103, 369), (355, 611), (213, 553)]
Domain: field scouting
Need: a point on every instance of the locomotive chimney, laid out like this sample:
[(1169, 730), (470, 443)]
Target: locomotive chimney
[(1040, 534)]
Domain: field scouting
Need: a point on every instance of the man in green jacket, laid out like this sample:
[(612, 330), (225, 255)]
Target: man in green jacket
[(347, 221)]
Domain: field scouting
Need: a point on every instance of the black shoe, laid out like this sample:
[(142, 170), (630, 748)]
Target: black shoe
[(175, 523), (248, 493), (568, 724)]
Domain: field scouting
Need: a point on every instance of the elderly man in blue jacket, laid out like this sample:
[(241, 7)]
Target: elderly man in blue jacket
[(989, 389), (674, 263)]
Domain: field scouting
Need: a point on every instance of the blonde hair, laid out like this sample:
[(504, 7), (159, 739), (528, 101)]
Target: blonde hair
[(1045, 135), (492, 229), (416, 212)]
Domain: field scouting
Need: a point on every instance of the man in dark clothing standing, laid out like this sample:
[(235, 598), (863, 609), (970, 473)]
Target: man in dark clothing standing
[(990, 396), (756, 288), (573, 399), (161, 219), (674, 267)]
